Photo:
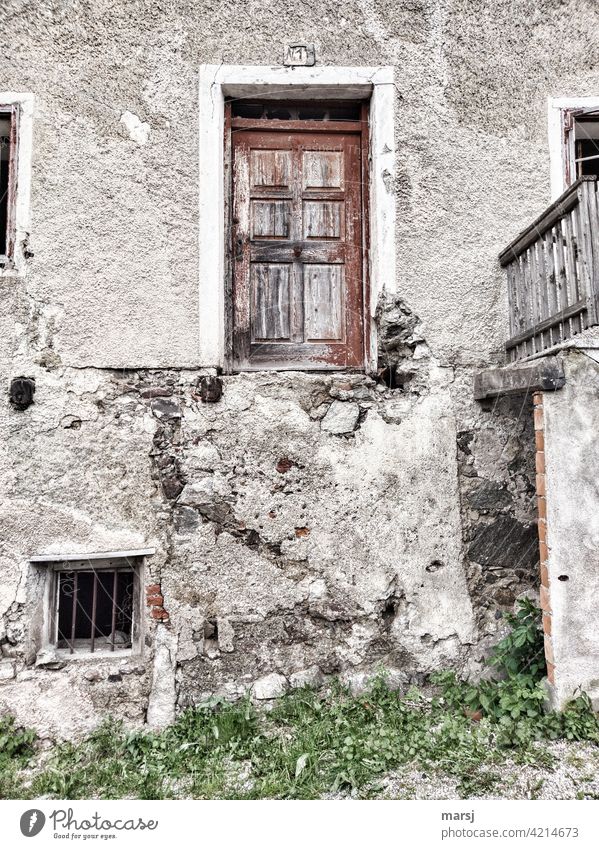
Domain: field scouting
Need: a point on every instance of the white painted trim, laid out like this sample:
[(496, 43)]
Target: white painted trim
[(218, 81), (23, 198), (97, 555), (555, 132)]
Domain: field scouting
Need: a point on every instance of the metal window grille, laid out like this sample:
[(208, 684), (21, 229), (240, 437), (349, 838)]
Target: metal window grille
[(95, 608)]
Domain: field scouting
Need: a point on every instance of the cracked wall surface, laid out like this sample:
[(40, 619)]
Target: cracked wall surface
[(303, 525)]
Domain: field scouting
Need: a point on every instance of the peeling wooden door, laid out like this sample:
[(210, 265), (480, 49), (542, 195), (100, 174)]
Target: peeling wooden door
[(297, 250)]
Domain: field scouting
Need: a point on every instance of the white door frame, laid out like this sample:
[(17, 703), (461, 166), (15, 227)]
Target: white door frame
[(331, 82)]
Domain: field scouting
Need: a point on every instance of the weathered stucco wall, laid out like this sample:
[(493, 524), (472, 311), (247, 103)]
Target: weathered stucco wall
[(571, 418), (303, 522), (472, 156), (304, 526)]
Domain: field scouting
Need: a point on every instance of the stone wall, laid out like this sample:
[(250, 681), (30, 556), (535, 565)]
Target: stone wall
[(305, 525)]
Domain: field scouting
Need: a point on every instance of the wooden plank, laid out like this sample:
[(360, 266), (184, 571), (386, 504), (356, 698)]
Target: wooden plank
[(584, 240), (521, 283), (270, 168), (571, 294), (556, 271), (241, 251), (545, 290), (548, 218), (322, 219), (528, 302), (269, 125), (513, 306), (545, 375), (322, 169), (590, 194), (535, 292), (270, 219), (581, 225), (520, 295), (570, 311)]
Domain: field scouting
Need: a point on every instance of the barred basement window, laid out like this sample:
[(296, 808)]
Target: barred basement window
[(95, 606)]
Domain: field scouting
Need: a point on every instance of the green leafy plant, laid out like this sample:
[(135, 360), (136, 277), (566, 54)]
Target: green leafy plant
[(521, 653), (16, 743)]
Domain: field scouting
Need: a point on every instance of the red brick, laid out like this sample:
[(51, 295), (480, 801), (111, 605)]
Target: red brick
[(547, 623), (159, 613), (284, 465), (544, 576), (542, 508), (551, 673), (538, 418), (541, 485), (543, 552), (540, 462), (545, 599), (542, 529), (537, 399), (549, 651), (540, 440), (156, 600), (153, 589)]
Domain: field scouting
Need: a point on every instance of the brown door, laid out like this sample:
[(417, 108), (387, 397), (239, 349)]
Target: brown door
[(297, 250)]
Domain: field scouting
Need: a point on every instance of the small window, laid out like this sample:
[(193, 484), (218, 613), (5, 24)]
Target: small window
[(312, 110), (8, 159), (95, 607), (581, 143)]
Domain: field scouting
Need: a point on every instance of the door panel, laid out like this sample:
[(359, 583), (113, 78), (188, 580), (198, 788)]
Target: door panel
[(270, 168), (270, 219), (323, 219), (322, 169), (297, 237), (271, 299), (323, 298)]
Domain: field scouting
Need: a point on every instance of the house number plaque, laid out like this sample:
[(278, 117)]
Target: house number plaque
[(299, 54)]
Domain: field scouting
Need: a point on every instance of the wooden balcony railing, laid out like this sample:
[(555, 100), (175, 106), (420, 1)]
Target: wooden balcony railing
[(553, 273)]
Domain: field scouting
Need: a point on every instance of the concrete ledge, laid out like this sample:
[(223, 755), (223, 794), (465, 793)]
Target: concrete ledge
[(96, 555), (544, 375)]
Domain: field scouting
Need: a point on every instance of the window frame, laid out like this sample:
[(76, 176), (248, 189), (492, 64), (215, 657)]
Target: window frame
[(21, 106), (14, 111), (372, 84), (561, 150), (110, 564)]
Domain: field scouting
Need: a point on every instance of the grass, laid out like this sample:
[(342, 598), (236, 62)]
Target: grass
[(311, 744)]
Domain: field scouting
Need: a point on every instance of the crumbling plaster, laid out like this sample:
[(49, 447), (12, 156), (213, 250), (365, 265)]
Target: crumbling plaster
[(304, 525)]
